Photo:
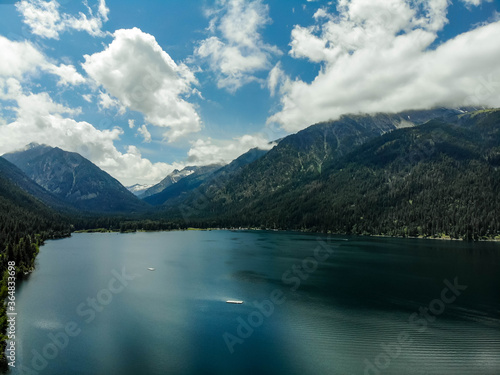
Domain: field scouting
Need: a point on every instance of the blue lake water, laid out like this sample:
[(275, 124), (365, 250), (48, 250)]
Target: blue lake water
[(312, 305)]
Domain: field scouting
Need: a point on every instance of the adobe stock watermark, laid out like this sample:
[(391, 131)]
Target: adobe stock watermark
[(264, 309), (418, 321), (87, 311)]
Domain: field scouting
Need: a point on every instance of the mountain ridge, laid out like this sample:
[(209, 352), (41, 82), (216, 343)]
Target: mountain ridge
[(183, 185), (170, 179), (459, 145), (305, 152)]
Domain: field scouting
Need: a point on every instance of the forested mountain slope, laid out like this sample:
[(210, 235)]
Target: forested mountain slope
[(436, 179)]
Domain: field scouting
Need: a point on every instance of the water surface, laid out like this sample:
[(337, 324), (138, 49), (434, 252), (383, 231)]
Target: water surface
[(350, 314)]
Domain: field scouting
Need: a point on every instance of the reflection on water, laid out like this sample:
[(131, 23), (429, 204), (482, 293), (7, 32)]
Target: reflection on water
[(313, 305)]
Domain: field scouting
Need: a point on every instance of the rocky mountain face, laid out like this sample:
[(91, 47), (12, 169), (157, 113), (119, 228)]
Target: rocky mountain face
[(74, 179), (171, 179), (203, 178), (183, 186), (17, 177)]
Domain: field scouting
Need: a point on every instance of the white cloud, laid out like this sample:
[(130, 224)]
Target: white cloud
[(19, 58), (131, 124), (40, 119), (235, 50), (211, 151), (376, 56), (103, 10), (87, 98), (132, 168), (107, 102), (135, 70), (476, 2), (277, 78), (45, 20), (22, 58), (143, 130), (42, 17), (67, 74)]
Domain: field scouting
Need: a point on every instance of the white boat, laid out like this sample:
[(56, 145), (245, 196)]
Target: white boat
[(235, 302), (151, 269)]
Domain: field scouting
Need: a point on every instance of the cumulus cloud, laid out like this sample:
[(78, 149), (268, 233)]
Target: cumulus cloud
[(20, 59), (212, 151), (235, 50), (135, 70), (377, 55), (46, 21)]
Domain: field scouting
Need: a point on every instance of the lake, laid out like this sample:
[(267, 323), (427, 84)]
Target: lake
[(312, 305)]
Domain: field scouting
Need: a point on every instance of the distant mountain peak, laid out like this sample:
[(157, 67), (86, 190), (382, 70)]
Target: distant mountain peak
[(171, 179), (138, 189), (35, 145), (32, 145)]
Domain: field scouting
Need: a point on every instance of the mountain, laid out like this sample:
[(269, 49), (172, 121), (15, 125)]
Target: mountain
[(138, 189), (201, 178), (439, 178), (195, 199), (23, 210), (305, 153), (171, 179), (237, 164), (183, 186), (204, 178), (17, 177), (74, 179)]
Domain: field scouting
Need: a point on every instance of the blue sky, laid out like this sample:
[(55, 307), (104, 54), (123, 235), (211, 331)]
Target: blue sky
[(141, 88)]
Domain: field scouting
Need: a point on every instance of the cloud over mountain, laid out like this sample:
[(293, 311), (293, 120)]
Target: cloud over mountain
[(213, 151), (378, 56)]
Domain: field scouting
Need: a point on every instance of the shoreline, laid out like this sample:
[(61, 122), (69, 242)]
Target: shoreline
[(445, 238)]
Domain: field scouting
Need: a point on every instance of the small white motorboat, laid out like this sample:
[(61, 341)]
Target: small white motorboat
[(234, 302), (151, 269)]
